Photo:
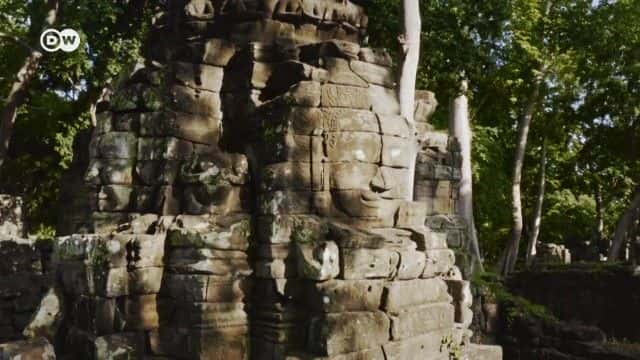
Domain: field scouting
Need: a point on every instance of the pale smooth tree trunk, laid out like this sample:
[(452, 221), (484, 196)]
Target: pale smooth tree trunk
[(537, 215), (18, 91), (460, 128), (626, 222), (599, 215), (510, 254), (407, 85)]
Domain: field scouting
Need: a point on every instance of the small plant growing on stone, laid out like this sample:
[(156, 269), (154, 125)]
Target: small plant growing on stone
[(99, 256), (452, 347)]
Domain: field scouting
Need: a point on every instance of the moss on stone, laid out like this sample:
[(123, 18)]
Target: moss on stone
[(304, 232), (451, 347), (514, 306), (98, 256)]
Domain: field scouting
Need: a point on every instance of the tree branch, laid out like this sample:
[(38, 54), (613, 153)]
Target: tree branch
[(18, 41)]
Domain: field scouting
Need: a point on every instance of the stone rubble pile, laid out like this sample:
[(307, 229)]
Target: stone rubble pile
[(110, 283), (549, 253), (23, 280)]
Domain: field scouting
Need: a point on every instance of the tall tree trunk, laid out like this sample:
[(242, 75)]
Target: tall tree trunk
[(626, 222), (16, 98), (537, 216), (599, 230), (460, 128), (407, 86), (510, 255), (18, 91)]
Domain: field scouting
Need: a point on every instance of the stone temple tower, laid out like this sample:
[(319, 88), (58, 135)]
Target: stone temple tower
[(246, 197)]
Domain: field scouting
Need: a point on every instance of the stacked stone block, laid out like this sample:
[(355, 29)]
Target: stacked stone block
[(75, 193), (437, 179), (157, 148), (204, 290), (22, 284), (438, 173), (23, 280), (250, 195), (110, 284), (332, 160)]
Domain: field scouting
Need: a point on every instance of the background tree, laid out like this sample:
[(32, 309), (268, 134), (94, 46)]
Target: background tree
[(460, 128), (59, 98), (27, 71)]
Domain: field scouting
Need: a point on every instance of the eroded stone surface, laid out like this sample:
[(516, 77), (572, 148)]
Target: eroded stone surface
[(249, 187), (11, 216)]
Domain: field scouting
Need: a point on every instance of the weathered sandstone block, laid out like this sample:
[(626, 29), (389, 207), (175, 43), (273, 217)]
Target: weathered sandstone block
[(318, 261), (427, 346), (400, 295), (305, 93), (340, 73), (374, 74), (368, 263), (341, 96), (187, 100), (334, 334), (110, 171), (216, 52), (340, 296), (116, 145), (198, 76), (375, 56), (411, 322), (438, 262), (411, 265)]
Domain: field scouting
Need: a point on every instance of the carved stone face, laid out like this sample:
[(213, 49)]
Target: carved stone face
[(341, 138), (370, 177)]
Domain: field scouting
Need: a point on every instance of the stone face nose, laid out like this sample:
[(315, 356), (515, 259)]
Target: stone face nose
[(379, 183)]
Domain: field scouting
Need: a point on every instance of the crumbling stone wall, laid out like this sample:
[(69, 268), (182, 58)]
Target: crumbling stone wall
[(599, 295), (248, 186), (23, 280)]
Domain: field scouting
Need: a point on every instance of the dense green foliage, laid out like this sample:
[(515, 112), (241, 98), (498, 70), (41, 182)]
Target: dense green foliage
[(60, 97), (588, 116), (493, 290)]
